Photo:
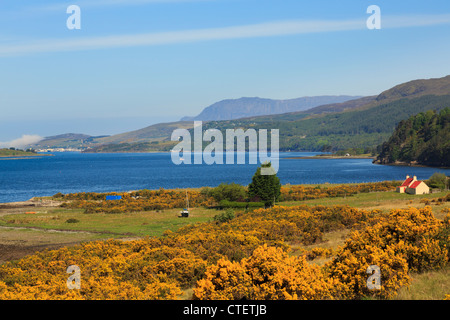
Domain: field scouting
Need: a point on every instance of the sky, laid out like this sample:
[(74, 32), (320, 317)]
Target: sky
[(134, 63)]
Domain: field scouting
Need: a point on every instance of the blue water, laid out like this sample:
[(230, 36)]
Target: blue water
[(22, 179)]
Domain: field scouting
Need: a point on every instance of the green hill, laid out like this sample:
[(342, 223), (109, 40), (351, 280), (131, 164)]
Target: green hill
[(154, 146), (422, 139), (417, 88), (5, 152)]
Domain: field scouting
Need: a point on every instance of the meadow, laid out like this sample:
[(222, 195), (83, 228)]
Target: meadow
[(315, 244)]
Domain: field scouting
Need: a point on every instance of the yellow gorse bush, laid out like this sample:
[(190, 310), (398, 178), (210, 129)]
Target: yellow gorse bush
[(146, 200), (401, 242), (143, 200), (300, 192), (269, 273)]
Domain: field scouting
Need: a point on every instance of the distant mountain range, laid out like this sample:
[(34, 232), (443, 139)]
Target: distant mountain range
[(249, 107), (365, 122)]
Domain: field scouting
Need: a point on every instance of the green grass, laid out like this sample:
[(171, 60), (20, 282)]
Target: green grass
[(138, 224), (153, 223), (431, 285), (384, 201), (16, 153)]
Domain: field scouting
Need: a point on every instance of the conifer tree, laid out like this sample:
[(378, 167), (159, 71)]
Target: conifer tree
[(265, 187)]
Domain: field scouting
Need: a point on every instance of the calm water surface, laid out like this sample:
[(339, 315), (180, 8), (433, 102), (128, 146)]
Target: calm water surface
[(22, 179)]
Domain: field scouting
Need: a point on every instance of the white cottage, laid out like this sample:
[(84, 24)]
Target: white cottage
[(413, 186)]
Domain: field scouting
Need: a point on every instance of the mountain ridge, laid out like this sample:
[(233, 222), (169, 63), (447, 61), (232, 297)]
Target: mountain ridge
[(230, 109)]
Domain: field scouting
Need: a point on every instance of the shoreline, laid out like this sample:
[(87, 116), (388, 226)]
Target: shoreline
[(405, 164), (18, 157), (330, 157), (48, 201)]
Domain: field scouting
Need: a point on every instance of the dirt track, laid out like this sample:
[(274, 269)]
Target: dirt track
[(13, 252)]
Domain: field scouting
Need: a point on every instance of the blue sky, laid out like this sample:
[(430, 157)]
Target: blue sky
[(138, 62)]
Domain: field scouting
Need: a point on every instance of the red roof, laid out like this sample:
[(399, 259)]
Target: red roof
[(407, 182), (415, 184)]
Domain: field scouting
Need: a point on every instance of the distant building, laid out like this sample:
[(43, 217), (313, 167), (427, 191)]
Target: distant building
[(413, 186)]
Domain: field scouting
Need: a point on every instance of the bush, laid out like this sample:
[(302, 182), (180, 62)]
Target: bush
[(437, 180), (224, 216), (268, 274), (72, 220), (59, 195), (406, 240), (230, 192)]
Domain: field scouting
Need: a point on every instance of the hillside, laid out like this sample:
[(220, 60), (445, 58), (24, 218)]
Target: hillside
[(68, 140), (156, 132), (154, 146), (362, 123), (230, 109), (157, 137), (417, 88), (422, 139), (5, 152), (352, 129)]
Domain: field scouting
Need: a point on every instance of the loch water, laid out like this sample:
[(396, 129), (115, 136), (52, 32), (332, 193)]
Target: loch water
[(69, 172)]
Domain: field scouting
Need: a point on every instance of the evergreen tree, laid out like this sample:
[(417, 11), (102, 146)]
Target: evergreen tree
[(265, 187), (423, 138)]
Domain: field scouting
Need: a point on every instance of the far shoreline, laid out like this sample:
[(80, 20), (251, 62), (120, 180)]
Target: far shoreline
[(331, 157), (406, 164), (20, 157)]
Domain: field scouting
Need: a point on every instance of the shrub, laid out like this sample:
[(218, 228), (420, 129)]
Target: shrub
[(403, 241), (224, 216), (72, 220), (269, 273), (230, 192), (437, 180)]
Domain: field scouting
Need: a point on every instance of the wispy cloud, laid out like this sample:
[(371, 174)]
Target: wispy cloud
[(21, 142), (105, 3), (268, 29), (185, 36), (418, 20)]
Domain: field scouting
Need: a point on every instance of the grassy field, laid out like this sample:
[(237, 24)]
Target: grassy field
[(154, 223), (138, 224), (23, 233), (381, 200), (431, 285)]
